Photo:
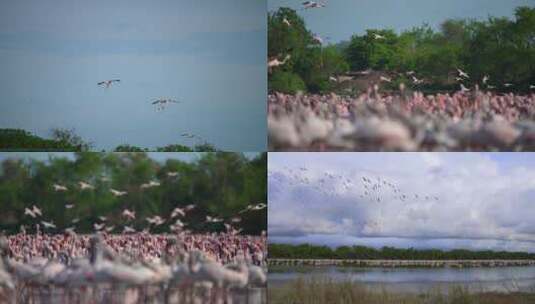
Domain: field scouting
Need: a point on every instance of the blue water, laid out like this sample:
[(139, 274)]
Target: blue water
[(503, 279)]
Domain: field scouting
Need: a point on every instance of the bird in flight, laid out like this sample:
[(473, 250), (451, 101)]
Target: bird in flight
[(312, 4), (275, 62), (84, 186), (464, 89), (317, 39), (462, 73), (48, 224), (58, 187), (386, 79), (377, 36), (285, 21), (117, 192), (416, 80), (108, 83), (129, 214), (163, 102)]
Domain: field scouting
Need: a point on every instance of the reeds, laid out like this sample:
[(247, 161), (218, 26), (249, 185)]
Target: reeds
[(328, 291)]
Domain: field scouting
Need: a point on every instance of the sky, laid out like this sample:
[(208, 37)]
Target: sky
[(210, 55), (483, 200), (341, 19)]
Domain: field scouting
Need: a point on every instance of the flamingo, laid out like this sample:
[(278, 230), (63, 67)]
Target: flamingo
[(128, 229), (210, 219), (149, 185), (273, 63), (59, 188), (129, 214), (285, 21), (416, 80), (377, 36), (163, 102), (312, 4), (98, 227), (178, 211), (386, 79), (118, 193), (108, 83), (48, 224), (84, 186), (462, 73), (37, 211), (29, 212)]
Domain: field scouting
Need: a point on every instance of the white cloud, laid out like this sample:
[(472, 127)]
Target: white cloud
[(480, 201)]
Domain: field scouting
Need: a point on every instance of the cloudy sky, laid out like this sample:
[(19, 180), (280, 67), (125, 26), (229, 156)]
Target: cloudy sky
[(343, 18), (208, 54), (452, 200)]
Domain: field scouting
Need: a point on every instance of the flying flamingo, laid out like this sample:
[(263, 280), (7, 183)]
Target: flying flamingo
[(117, 192), (462, 73), (163, 102), (58, 187), (108, 83), (285, 21)]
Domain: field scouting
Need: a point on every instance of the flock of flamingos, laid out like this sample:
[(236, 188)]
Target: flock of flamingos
[(56, 265), (472, 118)]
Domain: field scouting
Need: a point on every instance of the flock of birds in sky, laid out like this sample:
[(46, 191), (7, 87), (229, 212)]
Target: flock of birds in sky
[(363, 189), (370, 188)]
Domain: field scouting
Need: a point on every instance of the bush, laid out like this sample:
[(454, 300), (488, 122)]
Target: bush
[(286, 82)]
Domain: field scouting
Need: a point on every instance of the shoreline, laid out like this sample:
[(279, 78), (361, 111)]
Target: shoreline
[(401, 263)]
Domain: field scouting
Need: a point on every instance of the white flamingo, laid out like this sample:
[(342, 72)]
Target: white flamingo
[(378, 37), (84, 186), (462, 73), (59, 188)]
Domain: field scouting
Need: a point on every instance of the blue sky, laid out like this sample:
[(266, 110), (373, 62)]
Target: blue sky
[(483, 200), (340, 19), (208, 54)]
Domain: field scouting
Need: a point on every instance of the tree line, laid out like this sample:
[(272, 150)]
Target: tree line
[(68, 140), (307, 251), (501, 48), (218, 184)]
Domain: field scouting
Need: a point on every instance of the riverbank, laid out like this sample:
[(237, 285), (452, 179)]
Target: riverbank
[(400, 263), (328, 291)]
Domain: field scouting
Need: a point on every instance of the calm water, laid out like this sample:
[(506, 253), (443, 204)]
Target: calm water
[(416, 280)]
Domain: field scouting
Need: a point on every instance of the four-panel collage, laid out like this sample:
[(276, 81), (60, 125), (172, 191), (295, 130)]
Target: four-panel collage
[(267, 151)]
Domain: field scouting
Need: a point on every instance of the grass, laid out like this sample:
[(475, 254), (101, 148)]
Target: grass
[(324, 290)]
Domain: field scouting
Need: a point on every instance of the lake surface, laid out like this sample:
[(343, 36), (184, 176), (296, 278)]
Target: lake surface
[(415, 280)]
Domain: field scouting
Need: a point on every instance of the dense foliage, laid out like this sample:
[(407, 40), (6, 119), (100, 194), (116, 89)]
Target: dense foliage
[(219, 184), (307, 251), (310, 63), (20, 140), (502, 48), (68, 140)]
